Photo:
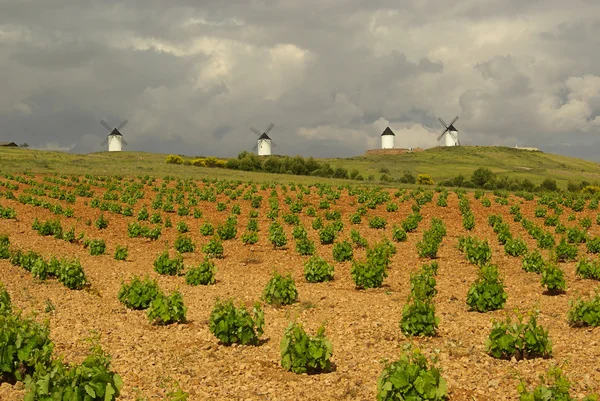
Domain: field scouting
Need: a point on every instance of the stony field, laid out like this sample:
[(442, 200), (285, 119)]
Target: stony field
[(362, 324)]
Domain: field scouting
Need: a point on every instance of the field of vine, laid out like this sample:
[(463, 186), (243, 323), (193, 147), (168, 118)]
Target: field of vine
[(143, 288)]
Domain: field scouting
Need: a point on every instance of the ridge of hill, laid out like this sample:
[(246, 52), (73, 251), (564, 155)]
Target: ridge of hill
[(441, 163)]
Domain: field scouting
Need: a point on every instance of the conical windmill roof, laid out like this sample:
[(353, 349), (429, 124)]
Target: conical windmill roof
[(263, 137), (388, 131), (115, 132), (451, 128)]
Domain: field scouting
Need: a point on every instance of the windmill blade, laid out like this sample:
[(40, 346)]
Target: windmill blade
[(443, 122), (273, 144), (453, 121), (124, 123), (255, 147), (269, 128), (105, 125), (442, 134), (123, 141), (105, 141), (257, 132)]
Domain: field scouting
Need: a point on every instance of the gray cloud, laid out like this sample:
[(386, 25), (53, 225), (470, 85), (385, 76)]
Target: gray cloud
[(330, 74)]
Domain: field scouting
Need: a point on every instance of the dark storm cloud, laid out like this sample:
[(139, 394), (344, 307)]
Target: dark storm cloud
[(191, 76)]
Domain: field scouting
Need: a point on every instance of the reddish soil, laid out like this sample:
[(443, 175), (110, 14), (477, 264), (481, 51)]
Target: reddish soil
[(362, 325)]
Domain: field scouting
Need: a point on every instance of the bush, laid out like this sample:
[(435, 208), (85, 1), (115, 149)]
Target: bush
[(280, 290), (277, 235), (554, 387), (377, 222), (317, 270), (424, 179), (233, 325), (174, 159), (164, 265), (410, 378), (517, 339), (184, 244), (25, 346), (398, 234), (203, 274), (553, 278), (585, 313), (207, 229), (588, 269), (214, 248), (342, 251), (97, 246), (303, 354), (533, 262), (250, 237), (368, 274), (5, 304), (422, 285), (565, 252), (138, 294), (515, 247), (487, 292), (327, 235), (71, 274), (418, 318), (167, 309), (477, 252), (121, 252)]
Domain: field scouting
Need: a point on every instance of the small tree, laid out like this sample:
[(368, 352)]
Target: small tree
[(482, 176)]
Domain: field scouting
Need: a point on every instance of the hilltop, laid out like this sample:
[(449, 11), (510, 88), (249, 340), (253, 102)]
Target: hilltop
[(441, 163)]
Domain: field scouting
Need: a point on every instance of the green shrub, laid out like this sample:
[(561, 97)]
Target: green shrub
[(203, 274), (588, 269), (517, 339), (585, 313), (342, 251), (121, 252), (165, 265), (184, 244), (280, 290), (25, 346), (593, 245), (97, 246), (207, 229), (533, 262), (515, 247), (468, 221), (303, 354), (101, 222), (277, 235), (182, 227), (167, 309), (357, 239), (77, 382), (305, 246), (138, 294), (233, 325), (317, 270), (377, 222), (418, 318), (327, 235), (576, 236), (5, 304), (250, 237), (487, 292), (553, 278), (368, 274), (565, 252), (214, 248), (410, 378), (422, 285), (71, 274), (477, 252), (555, 387)]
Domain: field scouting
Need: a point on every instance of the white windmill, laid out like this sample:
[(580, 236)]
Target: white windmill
[(115, 138), (387, 139), (264, 143), (450, 133)]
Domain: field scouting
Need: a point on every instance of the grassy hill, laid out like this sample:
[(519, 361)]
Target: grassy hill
[(440, 163)]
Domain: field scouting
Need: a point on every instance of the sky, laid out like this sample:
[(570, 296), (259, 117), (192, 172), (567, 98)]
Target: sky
[(191, 76)]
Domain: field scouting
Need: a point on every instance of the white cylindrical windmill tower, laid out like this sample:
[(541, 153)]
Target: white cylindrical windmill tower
[(264, 145), (387, 139), (451, 137), (115, 138), (115, 141)]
